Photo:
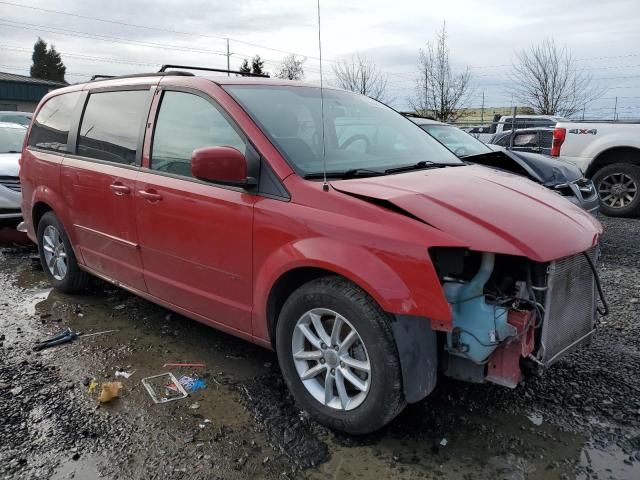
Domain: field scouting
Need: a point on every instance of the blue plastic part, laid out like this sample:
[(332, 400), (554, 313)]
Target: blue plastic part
[(478, 328)]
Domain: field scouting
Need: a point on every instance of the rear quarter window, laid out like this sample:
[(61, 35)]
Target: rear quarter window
[(50, 129), (111, 125)]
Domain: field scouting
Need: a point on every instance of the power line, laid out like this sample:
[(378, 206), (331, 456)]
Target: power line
[(147, 27)]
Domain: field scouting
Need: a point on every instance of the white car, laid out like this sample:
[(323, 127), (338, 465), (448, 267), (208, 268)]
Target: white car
[(608, 153), (11, 138)]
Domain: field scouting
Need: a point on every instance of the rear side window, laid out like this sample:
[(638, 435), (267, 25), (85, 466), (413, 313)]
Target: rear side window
[(50, 129), (111, 125), (187, 122)]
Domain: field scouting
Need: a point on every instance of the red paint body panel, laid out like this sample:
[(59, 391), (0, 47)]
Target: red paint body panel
[(196, 247), (100, 204), (214, 253), (487, 210), (503, 367)]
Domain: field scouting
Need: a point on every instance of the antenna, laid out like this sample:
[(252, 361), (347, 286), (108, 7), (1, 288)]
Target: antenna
[(325, 185)]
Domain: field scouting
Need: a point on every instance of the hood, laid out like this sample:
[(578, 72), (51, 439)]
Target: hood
[(9, 164), (487, 210), (540, 168)]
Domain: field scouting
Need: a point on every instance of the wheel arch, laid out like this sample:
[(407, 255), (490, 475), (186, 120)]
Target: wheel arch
[(612, 155)]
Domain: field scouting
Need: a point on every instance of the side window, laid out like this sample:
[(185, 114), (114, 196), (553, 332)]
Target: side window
[(507, 125), (187, 122), (503, 141), (111, 125), (50, 129), (525, 140)]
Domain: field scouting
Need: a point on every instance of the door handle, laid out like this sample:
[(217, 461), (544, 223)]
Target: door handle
[(120, 189), (151, 196)]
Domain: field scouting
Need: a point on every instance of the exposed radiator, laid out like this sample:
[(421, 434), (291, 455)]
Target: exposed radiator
[(569, 307)]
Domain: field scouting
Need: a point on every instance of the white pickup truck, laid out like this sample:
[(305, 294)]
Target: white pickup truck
[(608, 153), (505, 123)]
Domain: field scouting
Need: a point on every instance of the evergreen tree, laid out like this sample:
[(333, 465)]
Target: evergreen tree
[(257, 65), (56, 67), (47, 63), (245, 68), (39, 69)]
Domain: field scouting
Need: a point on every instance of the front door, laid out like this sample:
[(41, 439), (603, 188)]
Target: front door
[(98, 183), (195, 237)]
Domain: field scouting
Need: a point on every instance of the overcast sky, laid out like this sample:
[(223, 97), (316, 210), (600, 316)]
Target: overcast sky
[(484, 35)]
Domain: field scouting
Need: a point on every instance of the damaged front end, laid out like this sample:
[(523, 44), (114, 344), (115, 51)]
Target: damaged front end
[(513, 315)]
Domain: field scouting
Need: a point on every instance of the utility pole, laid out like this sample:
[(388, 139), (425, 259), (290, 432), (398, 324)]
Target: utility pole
[(615, 109), (482, 110), (228, 57), (513, 127), (583, 107)]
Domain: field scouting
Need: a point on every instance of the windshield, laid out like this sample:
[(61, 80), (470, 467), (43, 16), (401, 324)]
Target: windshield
[(11, 139), (460, 143), (360, 133)]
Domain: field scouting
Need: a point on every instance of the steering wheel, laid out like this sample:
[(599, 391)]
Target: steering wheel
[(460, 152), (355, 138)]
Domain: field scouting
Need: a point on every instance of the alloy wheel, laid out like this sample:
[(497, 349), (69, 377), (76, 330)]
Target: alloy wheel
[(331, 359), (617, 190), (55, 254)]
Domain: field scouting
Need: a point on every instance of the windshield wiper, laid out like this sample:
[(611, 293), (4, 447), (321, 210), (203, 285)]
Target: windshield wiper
[(351, 173), (422, 164)]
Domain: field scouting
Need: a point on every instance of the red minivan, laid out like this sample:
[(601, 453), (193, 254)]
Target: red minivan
[(318, 223)]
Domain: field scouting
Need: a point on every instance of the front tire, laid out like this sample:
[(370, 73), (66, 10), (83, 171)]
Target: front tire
[(338, 356), (57, 257), (618, 186)]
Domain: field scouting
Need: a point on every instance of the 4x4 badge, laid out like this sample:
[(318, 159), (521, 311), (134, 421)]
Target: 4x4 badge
[(584, 131)]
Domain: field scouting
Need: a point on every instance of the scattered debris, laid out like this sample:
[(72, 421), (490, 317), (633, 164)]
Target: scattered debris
[(535, 418), (194, 365), (168, 388), (119, 307), (110, 390), (194, 406), (191, 384), (92, 385), (444, 442), (66, 336), (123, 374)]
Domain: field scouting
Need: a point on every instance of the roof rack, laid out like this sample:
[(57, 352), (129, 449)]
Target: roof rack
[(134, 75), (164, 68)]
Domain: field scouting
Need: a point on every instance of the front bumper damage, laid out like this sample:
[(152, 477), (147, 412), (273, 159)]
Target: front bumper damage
[(546, 315)]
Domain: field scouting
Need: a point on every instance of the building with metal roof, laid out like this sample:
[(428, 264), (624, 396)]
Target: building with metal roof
[(21, 93)]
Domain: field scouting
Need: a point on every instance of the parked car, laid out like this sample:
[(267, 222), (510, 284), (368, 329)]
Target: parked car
[(11, 139), (562, 178), (609, 153), (208, 196), (506, 123), (21, 118), (533, 140)]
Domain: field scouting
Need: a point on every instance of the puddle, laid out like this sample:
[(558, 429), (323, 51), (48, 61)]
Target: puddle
[(606, 464), (85, 468), (34, 298)]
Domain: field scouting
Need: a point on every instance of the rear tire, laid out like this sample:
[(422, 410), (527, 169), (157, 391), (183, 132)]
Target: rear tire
[(57, 257), (364, 379), (618, 186)]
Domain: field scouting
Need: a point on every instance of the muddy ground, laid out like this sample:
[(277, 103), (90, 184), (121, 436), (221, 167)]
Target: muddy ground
[(581, 420)]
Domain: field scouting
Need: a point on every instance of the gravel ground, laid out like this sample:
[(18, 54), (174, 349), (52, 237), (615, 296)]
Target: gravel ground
[(580, 420)]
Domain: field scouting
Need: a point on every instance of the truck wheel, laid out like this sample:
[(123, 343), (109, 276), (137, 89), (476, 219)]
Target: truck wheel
[(338, 356), (618, 186), (57, 257)]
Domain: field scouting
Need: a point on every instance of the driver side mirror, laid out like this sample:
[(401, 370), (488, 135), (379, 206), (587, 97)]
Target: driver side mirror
[(225, 165)]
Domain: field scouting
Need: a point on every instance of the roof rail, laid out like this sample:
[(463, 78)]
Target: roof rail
[(134, 75), (220, 70)]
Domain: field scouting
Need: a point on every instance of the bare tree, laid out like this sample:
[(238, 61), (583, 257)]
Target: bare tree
[(291, 68), (359, 74), (546, 78), (440, 93)]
